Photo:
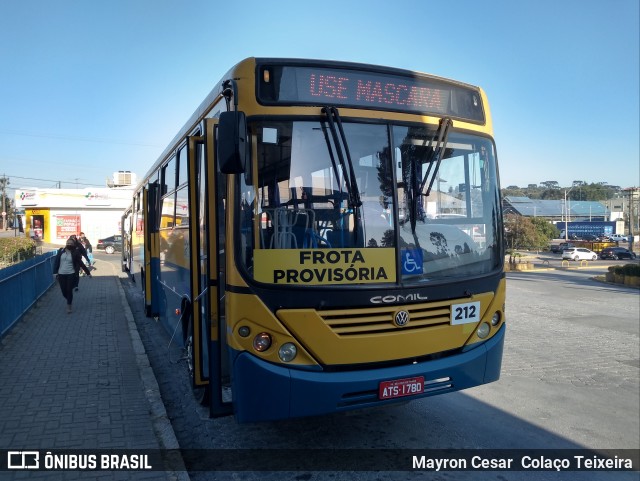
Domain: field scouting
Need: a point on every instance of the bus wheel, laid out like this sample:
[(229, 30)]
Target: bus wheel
[(201, 393)]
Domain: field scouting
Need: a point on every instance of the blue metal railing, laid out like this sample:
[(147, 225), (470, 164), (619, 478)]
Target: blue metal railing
[(21, 285)]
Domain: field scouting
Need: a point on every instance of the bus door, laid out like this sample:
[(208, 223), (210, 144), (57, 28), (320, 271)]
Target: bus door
[(145, 254), (125, 233), (150, 253), (209, 353)]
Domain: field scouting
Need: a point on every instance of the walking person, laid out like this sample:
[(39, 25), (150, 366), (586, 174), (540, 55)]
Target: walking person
[(67, 263), (83, 253), (89, 248), (85, 243)]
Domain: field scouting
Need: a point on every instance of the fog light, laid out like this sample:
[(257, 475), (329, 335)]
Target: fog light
[(287, 352), (244, 331), (495, 320), (262, 342), (483, 330)]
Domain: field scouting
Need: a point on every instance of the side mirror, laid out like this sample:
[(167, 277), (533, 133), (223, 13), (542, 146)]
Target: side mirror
[(233, 144)]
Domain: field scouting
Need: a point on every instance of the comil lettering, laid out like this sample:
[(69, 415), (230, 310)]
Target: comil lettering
[(391, 299)]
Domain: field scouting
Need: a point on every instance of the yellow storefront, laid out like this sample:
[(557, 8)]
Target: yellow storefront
[(52, 215)]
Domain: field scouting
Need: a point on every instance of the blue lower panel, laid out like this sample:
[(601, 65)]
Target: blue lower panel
[(263, 391)]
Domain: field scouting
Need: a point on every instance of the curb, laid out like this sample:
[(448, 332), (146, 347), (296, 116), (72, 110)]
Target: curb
[(561, 268), (159, 419)]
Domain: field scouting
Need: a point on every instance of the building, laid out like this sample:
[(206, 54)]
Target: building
[(52, 215), (626, 206), (576, 217), (556, 210)]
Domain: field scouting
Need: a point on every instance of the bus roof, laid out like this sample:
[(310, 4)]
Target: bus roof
[(360, 72)]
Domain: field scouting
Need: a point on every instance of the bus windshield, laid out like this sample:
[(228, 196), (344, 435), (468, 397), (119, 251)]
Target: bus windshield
[(304, 195)]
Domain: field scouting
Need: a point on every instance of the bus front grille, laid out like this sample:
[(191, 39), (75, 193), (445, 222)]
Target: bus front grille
[(353, 322)]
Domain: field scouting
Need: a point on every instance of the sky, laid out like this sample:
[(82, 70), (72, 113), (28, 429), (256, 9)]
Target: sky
[(88, 88)]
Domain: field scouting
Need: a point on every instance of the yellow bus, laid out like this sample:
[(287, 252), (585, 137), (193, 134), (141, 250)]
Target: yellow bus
[(325, 236)]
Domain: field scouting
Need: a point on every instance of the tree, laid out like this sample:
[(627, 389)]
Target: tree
[(512, 191), (550, 184), (546, 230), (598, 191), (528, 233), (579, 190), (552, 194), (519, 232)]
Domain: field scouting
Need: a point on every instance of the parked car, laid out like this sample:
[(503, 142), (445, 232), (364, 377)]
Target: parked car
[(579, 254), (558, 248), (590, 237), (616, 253), (110, 244), (618, 238)]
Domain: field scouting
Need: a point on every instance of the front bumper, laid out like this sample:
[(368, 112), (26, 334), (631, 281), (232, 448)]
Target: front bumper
[(263, 391)]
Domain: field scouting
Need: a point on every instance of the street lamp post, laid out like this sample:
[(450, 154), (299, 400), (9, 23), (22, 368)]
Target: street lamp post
[(631, 238), (566, 214)]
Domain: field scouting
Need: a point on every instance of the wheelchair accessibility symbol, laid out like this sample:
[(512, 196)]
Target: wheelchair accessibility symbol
[(412, 261)]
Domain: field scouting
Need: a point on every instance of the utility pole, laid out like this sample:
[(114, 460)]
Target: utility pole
[(631, 238), (566, 215), (4, 182)]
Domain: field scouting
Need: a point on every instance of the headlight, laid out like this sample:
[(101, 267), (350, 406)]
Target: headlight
[(287, 352), (262, 342), (483, 330)]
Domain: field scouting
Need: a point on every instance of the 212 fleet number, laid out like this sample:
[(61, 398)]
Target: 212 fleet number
[(465, 313)]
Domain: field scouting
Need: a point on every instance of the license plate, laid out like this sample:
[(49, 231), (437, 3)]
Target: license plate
[(401, 387)]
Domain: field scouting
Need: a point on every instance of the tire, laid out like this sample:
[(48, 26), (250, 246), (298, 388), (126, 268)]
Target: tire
[(576, 258), (201, 394), (614, 257), (594, 258), (109, 249)]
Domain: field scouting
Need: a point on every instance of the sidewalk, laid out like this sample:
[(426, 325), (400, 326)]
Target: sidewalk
[(81, 381)]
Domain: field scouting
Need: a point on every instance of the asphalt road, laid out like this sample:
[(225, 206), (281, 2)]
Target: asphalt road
[(570, 379)]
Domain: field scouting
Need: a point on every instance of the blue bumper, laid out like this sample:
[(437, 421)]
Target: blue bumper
[(264, 391)]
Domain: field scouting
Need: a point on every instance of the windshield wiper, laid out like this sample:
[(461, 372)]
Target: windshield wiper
[(434, 160), (436, 155), (333, 162), (344, 157)]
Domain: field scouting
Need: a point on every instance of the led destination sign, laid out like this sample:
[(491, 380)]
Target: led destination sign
[(345, 87)]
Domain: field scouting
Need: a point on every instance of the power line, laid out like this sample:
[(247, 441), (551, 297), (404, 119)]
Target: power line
[(59, 182), (78, 139)]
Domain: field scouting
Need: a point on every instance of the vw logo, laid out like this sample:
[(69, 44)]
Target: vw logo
[(401, 318)]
